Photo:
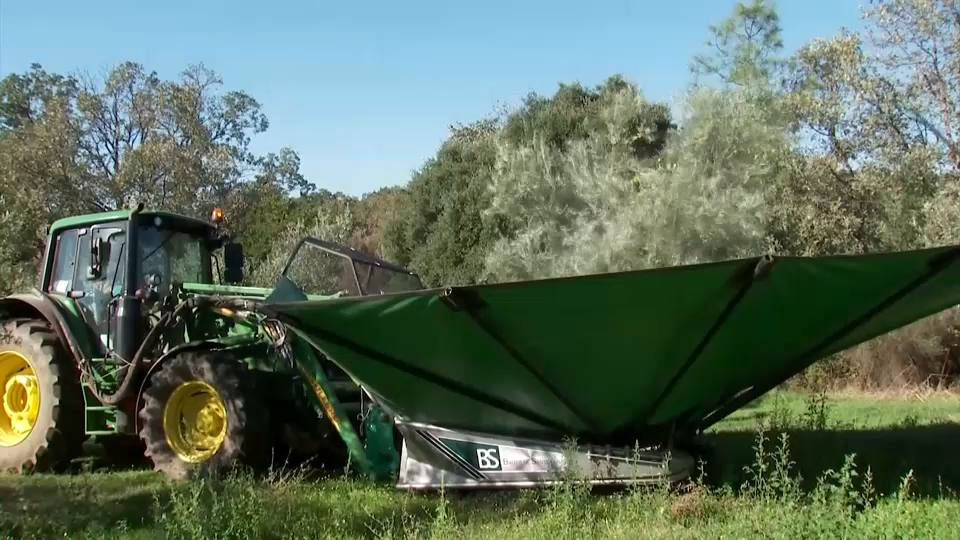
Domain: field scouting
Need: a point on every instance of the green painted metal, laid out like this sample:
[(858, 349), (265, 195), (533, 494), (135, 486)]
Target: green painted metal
[(226, 290), (621, 356), (68, 309), (86, 220), (241, 333), (100, 419), (93, 353), (379, 444), (236, 291), (325, 401)]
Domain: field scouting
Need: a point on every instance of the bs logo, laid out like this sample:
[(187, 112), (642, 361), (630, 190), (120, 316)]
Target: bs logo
[(484, 457), (488, 458)]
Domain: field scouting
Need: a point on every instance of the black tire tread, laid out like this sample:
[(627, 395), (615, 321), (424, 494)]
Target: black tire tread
[(248, 430), (62, 426)]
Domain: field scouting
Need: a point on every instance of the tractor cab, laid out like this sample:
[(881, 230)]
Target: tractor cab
[(113, 263)]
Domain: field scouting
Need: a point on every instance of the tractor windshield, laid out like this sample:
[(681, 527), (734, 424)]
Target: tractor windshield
[(173, 256)]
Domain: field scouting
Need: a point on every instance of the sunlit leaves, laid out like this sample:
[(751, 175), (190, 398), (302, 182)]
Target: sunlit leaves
[(598, 208)]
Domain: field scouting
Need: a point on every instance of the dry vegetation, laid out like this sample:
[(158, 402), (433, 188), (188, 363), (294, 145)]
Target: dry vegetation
[(915, 360)]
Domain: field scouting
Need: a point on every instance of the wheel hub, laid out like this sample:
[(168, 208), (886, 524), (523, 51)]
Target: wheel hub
[(21, 398), (195, 421)]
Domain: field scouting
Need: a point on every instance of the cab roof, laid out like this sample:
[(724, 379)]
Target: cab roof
[(117, 215)]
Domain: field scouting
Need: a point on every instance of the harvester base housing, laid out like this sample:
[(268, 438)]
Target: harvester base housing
[(434, 458)]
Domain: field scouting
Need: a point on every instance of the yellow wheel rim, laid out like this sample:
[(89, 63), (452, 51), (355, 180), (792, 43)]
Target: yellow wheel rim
[(21, 398), (195, 421)]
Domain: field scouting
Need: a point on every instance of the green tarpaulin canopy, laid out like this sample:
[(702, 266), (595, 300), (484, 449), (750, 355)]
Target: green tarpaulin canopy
[(614, 358)]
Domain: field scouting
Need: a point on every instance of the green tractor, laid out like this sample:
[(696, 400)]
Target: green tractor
[(138, 340)]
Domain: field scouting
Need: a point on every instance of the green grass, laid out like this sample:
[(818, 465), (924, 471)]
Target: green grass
[(850, 467)]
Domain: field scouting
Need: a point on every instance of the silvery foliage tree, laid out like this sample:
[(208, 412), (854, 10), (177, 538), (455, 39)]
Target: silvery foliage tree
[(598, 208)]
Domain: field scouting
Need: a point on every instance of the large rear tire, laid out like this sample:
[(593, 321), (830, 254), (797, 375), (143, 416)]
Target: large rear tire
[(41, 400), (201, 416)]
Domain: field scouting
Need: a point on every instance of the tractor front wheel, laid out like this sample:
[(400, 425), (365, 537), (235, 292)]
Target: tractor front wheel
[(201, 416), (41, 400)]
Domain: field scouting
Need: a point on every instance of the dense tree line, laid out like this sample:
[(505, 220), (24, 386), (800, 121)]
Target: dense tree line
[(849, 144)]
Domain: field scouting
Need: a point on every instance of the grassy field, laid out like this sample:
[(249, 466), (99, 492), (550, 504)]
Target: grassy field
[(828, 467)]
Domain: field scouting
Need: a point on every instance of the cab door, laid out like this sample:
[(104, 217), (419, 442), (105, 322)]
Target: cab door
[(100, 274)]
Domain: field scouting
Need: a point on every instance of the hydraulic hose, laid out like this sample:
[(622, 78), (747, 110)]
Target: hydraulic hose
[(136, 363)]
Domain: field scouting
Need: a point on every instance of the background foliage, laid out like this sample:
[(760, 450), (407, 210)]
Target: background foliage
[(848, 144)]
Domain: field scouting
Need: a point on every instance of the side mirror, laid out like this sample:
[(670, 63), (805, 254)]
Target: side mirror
[(233, 263)]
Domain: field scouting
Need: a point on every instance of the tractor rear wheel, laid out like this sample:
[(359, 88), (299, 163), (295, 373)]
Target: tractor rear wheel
[(41, 400), (201, 416)]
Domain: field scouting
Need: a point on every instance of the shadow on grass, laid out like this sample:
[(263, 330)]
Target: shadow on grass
[(61, 505), (929, 451)]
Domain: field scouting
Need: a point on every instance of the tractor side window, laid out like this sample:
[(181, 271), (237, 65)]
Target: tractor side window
[(381, 280), (98, 293), (117, 265), (64, 262)]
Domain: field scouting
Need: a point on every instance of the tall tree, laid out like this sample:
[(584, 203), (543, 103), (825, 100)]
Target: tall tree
[(877, 111), (742, 49), (84, 143)]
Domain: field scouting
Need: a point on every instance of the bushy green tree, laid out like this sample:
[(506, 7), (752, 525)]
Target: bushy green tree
[(597, 207), (445, 230), (440, 232)]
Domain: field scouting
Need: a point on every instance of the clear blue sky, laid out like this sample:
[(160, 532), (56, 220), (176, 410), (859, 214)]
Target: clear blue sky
[(365, 93)]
